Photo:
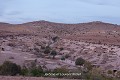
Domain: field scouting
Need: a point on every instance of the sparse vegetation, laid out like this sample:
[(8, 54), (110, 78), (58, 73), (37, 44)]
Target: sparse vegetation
[(55, 38), (61, 48), (79, 61), (88, 65), (11, 44), (36, 71), (109, 72), (37, 45), (67, 55), (3, 49), (32, 70), (62, 58), (53, 53), (47, 51), (9, 68), (37, 50)]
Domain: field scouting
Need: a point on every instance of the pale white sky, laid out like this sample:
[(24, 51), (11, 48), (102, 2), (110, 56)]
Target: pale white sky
[(65, 11)]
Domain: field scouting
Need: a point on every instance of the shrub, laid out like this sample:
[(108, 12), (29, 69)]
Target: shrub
[(67, 56), (24, 72), (109, 72), (11, 57), (9, 68), (62, 58), (3, 49), (61, 48), (47, 51), (55, 38), (118, 74), (53, 53), (88, 65), (42, 47), (38, 71), (32, 70), (79, 61), (11, 44), (37, 50)]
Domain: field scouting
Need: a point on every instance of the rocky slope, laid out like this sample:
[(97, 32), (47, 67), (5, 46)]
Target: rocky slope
[(96, 42), (95, 32)]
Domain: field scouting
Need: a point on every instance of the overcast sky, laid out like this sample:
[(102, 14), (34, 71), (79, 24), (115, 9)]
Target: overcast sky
[(65, 11)]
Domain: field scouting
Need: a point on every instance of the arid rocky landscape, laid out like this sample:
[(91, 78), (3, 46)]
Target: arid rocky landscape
[(96, 42)]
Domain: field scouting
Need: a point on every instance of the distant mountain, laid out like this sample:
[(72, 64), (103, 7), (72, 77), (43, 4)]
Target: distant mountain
[(5, 24)]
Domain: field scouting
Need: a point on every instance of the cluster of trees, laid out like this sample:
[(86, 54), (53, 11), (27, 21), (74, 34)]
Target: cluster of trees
[(12, 69), (49, 51), (46, 49)]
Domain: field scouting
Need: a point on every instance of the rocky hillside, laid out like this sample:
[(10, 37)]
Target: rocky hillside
[(96, 42), (95, 32)]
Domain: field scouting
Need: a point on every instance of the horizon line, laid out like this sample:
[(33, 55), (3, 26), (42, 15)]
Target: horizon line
[(59, 22)]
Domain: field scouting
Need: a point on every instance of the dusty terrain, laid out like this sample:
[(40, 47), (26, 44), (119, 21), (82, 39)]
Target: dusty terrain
[(96, 42), (96, 32)]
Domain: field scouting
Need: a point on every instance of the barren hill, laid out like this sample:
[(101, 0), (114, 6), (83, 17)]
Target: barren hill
[(96, 42), (95, 32)]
